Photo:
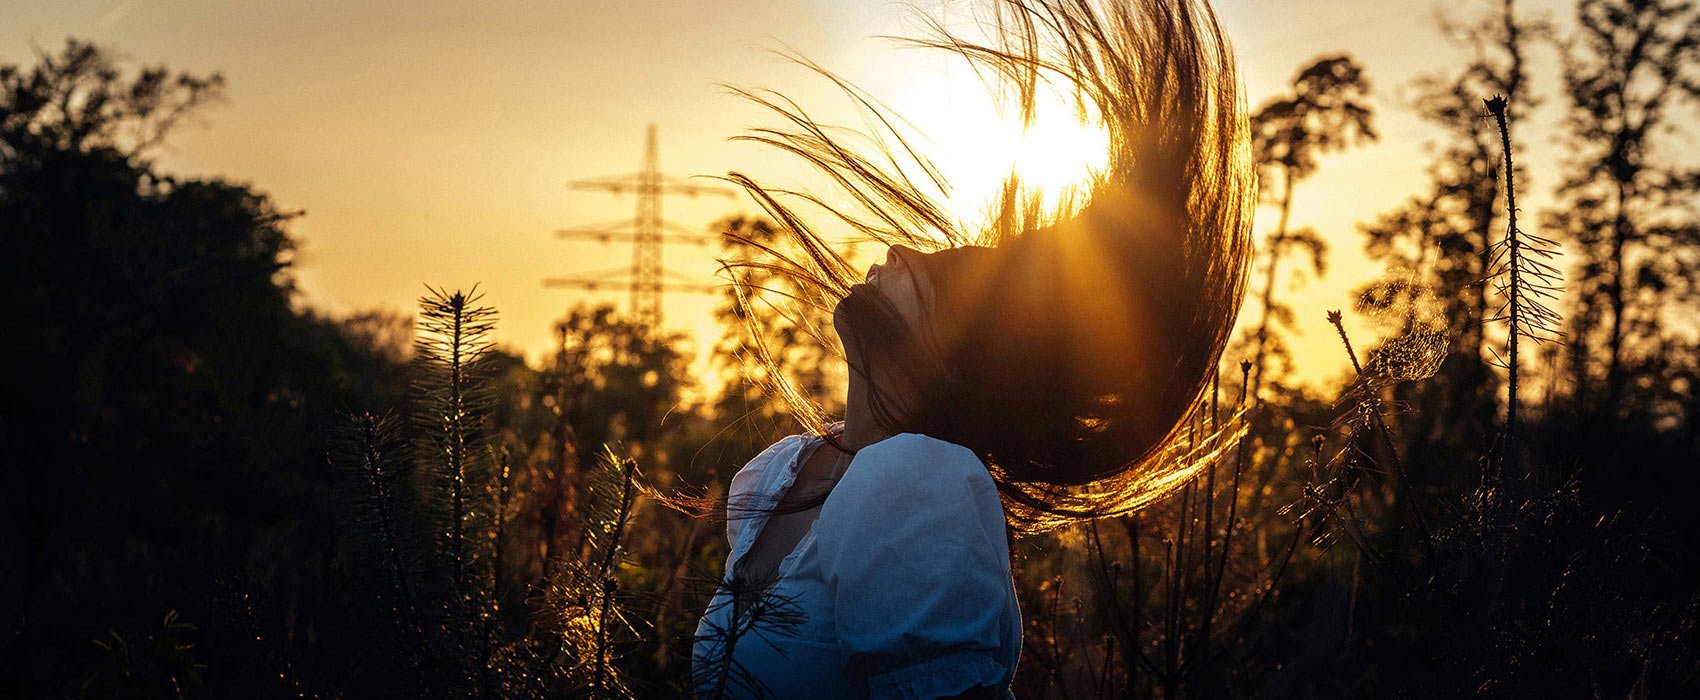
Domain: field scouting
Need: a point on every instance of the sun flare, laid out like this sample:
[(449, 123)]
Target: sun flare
[(977, 143)]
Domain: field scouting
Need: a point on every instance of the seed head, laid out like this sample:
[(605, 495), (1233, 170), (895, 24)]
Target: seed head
[(1496, 105)]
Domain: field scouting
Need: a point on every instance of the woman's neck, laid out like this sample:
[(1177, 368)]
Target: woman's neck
[(860, 428)]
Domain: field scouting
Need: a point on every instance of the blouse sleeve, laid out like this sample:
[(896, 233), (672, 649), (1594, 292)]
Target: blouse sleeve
[(912, 542), (743, 493)]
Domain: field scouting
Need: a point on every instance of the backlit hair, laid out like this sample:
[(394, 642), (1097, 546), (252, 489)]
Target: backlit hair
[(1071, 349)]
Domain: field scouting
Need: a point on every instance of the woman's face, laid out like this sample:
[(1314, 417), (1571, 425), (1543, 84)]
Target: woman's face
[(902, 281), (879, 324)]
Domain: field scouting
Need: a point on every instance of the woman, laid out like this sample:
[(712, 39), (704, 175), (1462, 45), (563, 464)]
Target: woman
[(1041, 368)]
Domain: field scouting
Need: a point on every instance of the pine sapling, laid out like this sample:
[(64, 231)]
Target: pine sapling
[(584, 593), (452, 348)]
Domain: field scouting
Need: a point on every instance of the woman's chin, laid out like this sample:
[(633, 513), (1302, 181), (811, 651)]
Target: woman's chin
[(857, 289), (841, 323), (840, 318)]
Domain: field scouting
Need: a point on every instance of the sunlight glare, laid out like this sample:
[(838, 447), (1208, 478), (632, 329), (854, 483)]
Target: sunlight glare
[(976, 144)]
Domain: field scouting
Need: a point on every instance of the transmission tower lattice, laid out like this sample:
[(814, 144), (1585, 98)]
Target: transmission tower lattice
[(648, 231)]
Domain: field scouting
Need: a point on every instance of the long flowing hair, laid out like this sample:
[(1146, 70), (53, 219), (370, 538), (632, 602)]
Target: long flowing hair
[(1071, 348)]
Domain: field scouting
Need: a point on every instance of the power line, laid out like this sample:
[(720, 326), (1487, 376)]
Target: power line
[(645, 279)]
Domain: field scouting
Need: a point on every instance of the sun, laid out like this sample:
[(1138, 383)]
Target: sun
[(977, 142)]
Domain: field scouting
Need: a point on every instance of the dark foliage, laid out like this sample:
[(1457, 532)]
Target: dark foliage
[(212, 491), (169, 403)]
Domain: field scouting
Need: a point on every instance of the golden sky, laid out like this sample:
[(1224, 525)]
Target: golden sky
[(431, 141)]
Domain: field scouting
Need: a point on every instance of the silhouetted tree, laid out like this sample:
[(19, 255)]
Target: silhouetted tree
[(168, 401), (620, 379), (80, 101), (1627, 209), (1325, 112)]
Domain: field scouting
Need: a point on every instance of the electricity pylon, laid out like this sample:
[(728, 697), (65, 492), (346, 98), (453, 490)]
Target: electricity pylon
[(646, 278)]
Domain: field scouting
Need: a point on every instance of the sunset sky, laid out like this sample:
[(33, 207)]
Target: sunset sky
[(431, 142)]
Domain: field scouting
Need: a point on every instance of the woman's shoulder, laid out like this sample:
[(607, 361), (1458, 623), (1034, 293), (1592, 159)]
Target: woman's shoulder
[(782, 454), (752, 471), (787, 443), (915, 467), (917, 442), (907, 506), (752, 487), (914, 452)]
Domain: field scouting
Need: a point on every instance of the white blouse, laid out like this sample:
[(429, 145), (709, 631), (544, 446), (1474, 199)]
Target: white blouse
[(902, 584)]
